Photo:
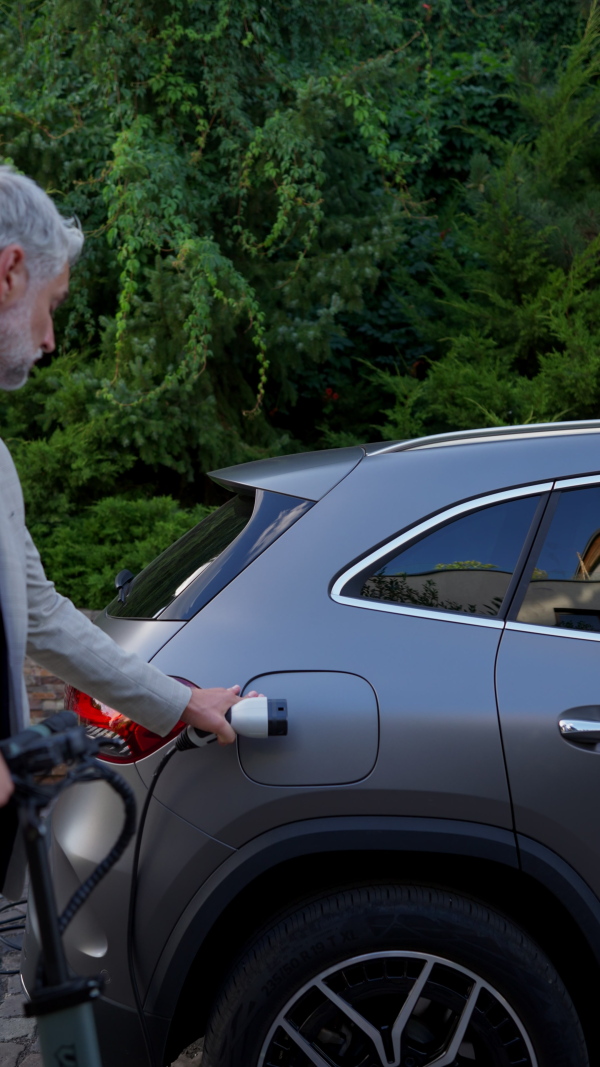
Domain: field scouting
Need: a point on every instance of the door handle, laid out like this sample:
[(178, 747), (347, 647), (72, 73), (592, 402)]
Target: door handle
[(574, 727)]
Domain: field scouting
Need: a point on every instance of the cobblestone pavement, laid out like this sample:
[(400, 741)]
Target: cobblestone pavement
[(18, 1041), (19, 1045)]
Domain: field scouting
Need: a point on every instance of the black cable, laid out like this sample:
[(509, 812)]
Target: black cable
[(8, 926), (11, 944), (9, 907), (100, 771), (132, 902)]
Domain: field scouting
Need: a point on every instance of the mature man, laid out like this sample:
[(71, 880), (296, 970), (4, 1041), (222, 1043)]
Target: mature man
[(37, 248)]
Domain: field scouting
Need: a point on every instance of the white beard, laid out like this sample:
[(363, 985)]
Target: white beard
[(17, 354)]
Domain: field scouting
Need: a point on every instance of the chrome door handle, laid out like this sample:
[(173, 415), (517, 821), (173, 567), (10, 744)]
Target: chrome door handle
[(585, 731)]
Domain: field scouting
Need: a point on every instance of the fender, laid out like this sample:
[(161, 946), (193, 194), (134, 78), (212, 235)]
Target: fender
[(306, 838), (119, 1026), (559, 878), (364, 833)]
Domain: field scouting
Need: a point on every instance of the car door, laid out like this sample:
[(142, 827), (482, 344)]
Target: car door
[(437, 594), (548, 682)]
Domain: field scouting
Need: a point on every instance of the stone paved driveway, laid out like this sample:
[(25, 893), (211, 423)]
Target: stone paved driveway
[(18, 1042), (19, 1046)]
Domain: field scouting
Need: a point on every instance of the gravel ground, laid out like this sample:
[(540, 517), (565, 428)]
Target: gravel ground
[(19, 1045)]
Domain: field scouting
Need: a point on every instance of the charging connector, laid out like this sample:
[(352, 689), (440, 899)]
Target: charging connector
[(252, 717)]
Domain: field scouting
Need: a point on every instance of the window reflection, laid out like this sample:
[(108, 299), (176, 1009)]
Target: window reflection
[(464, 566), (565, 586)]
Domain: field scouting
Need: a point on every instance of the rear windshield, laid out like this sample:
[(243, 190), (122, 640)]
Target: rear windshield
[(169, 574)]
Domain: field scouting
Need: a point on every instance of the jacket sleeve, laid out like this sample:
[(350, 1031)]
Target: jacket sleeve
[(63, 640)]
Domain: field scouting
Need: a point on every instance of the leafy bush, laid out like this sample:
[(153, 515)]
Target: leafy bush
[(509, 305), (84, 554), (307, 224)]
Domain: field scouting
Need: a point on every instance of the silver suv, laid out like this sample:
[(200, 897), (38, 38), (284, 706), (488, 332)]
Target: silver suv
[(412, 875)]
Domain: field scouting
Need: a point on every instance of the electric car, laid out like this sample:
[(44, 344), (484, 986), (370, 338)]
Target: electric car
[(411, 876)]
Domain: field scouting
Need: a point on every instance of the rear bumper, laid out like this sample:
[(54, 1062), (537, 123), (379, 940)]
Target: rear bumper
[(120, 1033)]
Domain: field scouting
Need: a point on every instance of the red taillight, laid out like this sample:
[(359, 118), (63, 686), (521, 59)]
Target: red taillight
[(104, 722)]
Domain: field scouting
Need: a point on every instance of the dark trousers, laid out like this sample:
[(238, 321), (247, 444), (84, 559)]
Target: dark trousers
[(8, 832)]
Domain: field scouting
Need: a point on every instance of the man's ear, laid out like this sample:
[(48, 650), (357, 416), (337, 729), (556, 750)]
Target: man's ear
[(13, 275)]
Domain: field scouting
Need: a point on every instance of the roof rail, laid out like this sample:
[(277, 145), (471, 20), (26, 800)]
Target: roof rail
[(464, 436)]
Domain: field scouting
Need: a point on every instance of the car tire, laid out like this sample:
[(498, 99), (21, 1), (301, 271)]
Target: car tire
[(462, 984)]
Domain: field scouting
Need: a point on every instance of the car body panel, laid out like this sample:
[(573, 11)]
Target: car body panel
[(313, 838), (440, 742), (333, 732), (305, 474), (555, 783), (83, 825), (86, 820), (144, 640)]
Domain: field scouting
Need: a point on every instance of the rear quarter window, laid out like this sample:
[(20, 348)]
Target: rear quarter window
[(465, 565), (180, 581)]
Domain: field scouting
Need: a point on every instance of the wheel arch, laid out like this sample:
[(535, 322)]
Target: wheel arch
[(280, 869)]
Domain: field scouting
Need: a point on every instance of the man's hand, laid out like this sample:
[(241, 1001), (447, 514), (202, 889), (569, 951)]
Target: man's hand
[(6, 783), (206, 711)]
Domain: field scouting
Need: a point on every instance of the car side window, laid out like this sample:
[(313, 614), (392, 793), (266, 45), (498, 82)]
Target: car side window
[(464, 566), (564, 589)]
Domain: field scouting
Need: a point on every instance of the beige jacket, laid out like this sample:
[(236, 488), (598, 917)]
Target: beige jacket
[(47, 626)]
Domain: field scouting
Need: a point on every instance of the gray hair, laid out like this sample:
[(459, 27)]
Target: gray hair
[(29, 218)]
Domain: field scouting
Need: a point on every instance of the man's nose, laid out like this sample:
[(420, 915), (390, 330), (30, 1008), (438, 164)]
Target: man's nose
[(48, 343)]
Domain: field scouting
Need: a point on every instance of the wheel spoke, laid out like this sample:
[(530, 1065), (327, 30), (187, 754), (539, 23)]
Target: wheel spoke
[(447, 1058), (448, 1002), (407, 1010), (314, 1056), (371, 1031)]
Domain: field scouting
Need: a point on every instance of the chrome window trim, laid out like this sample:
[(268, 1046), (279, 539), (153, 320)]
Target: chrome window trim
[(551, 631), (416, 531), (574, 483), (421, 613)]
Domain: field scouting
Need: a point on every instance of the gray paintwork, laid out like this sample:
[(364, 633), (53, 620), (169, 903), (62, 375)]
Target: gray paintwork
[(305, 474), (391, 715), (145, 641), (333, 731), (555, 783)]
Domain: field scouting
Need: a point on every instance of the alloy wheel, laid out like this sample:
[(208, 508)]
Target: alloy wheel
[(397, 1009)]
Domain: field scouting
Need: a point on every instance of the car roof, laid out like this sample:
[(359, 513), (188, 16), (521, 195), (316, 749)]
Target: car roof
[(310, 475)]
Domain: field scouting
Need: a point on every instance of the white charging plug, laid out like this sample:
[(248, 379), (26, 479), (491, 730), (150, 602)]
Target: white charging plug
[(251, 717)]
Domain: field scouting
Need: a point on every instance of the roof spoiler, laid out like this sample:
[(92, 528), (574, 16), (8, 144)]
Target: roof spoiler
[(309, 475)]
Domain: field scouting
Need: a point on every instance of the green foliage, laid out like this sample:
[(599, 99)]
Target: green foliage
[(85, 553), (509, 306), (234, 172), (301, 220)]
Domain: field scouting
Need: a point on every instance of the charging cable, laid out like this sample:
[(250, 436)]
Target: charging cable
[(251, 717)]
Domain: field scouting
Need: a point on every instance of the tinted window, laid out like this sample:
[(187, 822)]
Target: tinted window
[(463, 566), (565, 586), (176, 568)]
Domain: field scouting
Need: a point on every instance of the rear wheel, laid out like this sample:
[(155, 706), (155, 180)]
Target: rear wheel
[(392, 976)]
